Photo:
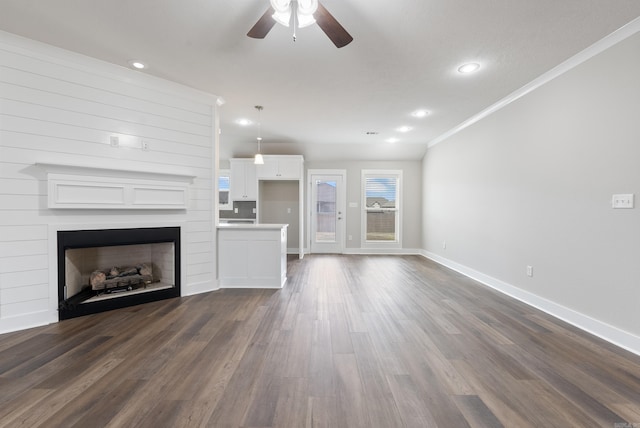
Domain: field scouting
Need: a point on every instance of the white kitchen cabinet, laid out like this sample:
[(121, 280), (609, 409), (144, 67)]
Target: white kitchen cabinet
[(280, 168), (252, 255), (244, 184)]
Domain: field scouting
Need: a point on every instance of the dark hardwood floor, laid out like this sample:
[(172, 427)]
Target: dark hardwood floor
[(351, 341)]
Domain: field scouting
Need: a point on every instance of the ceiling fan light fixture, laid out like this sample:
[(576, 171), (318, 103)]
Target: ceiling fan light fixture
[(298, 14), (282, 17), (304, 11), (305, 20)]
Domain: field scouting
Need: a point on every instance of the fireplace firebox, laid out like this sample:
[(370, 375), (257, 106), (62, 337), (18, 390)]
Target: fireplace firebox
[(105, 269)]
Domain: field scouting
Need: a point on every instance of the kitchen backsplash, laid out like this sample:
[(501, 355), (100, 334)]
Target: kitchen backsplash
[(246, 209)]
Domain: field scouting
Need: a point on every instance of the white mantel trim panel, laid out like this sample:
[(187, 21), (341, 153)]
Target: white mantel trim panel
[(81, 187), (60, 115)]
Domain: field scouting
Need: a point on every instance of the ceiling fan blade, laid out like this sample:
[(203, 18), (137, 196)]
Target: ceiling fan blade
[(332, 27), (263, 26)]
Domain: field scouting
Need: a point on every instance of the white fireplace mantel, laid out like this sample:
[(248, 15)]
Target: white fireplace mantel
[(86, 187)]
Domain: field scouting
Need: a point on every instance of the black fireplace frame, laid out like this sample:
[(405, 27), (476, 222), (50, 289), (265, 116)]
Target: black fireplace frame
[(69, 239)]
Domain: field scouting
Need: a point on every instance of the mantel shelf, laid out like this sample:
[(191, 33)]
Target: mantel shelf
[(101, 171)]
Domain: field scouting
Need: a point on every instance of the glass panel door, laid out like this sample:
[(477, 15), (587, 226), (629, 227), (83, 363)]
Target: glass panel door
[(327, 214)]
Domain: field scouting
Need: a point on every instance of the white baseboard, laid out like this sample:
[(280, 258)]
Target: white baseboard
[(23, 322), (200, 287), (611, 334), (383, 251)]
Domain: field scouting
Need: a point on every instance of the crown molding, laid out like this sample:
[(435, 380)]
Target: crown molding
[(600, 46)]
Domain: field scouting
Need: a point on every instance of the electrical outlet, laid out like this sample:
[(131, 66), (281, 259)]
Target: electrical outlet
[(622, 201), (350, 237), (444, 245), (529, 270), (235, 210), (145, 146), (115, 141)]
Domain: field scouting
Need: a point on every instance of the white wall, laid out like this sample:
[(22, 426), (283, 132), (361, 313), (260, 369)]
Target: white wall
[(411, 196), (531, 185), (60, 107), (280, 204)]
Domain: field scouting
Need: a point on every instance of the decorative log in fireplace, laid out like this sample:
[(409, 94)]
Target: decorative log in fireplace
[(151, 260), (117, 278)]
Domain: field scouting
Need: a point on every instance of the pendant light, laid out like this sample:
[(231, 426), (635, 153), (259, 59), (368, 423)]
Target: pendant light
[(258, 160)]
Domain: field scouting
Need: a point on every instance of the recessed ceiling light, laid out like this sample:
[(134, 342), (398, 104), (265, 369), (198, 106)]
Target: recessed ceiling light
[(392, 140), (469, 68), (420, 113), (138, 65), (243, 122), (404, 129)]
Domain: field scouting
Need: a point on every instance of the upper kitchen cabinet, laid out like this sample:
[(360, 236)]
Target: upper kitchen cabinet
[(280, 167), (244, 184)]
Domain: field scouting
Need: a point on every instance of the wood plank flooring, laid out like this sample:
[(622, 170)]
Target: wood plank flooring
[(351, 341)]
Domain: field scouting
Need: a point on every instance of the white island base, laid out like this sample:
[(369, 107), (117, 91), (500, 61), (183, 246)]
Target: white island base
[(252, 255)]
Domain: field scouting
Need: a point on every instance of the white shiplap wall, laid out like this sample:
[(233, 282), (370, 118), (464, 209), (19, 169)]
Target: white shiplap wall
[(61, 107)]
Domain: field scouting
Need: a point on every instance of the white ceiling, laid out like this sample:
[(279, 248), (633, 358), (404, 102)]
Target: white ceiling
[(318, 100)]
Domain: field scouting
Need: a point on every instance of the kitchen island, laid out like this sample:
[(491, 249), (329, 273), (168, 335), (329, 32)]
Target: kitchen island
[(252, 255)]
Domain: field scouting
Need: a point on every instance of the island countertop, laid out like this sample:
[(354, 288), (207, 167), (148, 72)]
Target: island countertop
[(252, 226)]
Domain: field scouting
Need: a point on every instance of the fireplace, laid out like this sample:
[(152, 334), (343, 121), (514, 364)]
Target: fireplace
[(105, 269)]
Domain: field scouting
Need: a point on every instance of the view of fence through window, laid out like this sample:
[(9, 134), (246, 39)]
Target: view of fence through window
[(381, 209), (326, 211)]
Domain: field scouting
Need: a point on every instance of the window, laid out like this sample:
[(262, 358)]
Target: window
[(223, 190), (381, 225)]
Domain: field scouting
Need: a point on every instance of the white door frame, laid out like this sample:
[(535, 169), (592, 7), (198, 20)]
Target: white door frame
[(342, 203)]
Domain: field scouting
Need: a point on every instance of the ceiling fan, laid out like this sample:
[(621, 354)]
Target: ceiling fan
[(299, 14)]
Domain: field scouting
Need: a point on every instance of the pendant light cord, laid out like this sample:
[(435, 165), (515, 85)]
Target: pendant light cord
[(259, 108), (258, 157)]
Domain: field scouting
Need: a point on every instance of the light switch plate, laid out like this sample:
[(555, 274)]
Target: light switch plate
[(622, 201)]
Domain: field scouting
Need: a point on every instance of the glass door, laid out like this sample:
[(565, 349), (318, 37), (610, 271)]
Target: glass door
[(327, 213)]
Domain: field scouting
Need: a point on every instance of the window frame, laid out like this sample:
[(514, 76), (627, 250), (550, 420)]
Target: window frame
[(382, 173)]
